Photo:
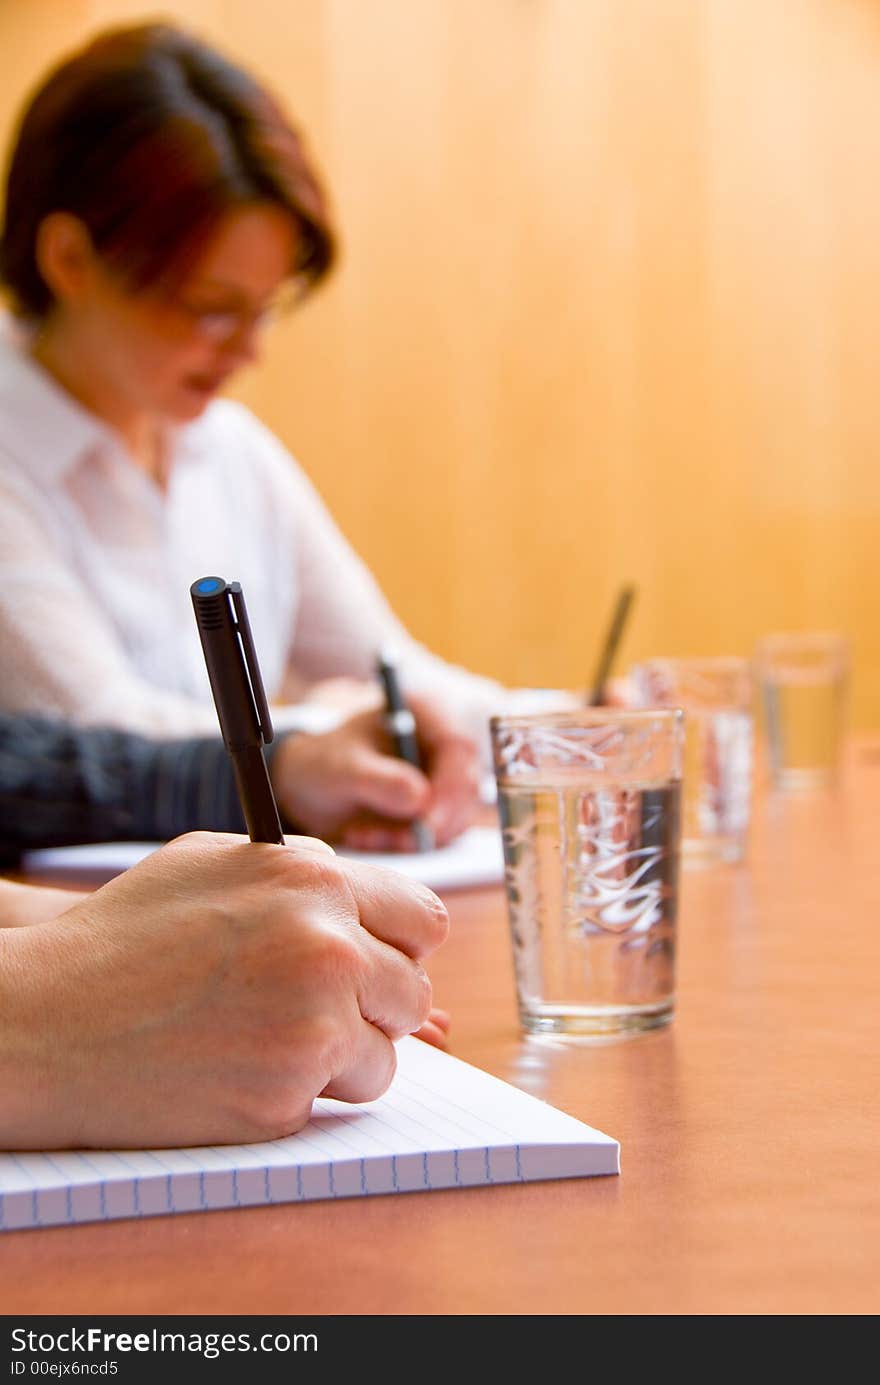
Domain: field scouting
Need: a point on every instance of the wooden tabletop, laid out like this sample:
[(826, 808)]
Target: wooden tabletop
[(749, 1132)]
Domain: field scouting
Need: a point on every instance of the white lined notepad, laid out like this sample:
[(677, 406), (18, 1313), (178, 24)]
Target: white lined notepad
[(474, 858), (442, 1124)]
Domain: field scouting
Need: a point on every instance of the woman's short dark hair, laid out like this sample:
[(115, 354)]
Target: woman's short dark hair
[(149, 136)]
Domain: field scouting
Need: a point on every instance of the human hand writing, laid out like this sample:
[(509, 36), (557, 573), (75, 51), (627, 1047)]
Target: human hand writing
[(347, 785), (209, 994)]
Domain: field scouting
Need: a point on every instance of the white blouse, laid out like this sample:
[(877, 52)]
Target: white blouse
[(96, 562)]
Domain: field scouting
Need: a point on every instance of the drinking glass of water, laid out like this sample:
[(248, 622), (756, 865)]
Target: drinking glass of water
[(589, 803), (804, 683), (715, 693)]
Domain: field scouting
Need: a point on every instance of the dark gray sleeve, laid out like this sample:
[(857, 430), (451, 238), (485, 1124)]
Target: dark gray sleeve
[(61, 785)]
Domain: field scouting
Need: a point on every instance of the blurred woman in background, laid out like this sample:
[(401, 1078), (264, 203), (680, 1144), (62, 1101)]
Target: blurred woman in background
[(160, 210)]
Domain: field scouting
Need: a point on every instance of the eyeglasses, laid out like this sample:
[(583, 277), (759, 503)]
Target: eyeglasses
[(223, 324)]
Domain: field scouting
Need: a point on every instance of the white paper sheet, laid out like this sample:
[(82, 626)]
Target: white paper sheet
[(475, 858)]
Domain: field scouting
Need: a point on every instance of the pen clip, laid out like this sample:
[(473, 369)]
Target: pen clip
[(261, 704)]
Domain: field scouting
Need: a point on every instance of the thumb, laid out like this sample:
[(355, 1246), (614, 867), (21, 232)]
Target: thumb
[(390, 786)]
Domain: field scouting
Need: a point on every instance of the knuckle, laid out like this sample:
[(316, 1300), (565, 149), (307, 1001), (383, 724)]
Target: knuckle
[(272, 1115), (321, 1043), (315, 872), (336, 959), (196, 843), (278, 1075), (435, 917), (423, 995), (294, 1072), (375, 1081)]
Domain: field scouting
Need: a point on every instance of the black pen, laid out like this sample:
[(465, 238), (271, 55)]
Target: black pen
[(596, 690), (401, 726), (240, 699)]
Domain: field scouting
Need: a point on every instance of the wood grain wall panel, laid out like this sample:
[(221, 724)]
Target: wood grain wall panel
[(607, 309)]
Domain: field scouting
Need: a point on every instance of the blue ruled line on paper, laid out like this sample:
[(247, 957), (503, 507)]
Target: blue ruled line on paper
[(267, 1191), (299, 1181), (2, 1212), (486, 1169), (35, 1211), (134, 1182), (394, 1183), (331, 1180), (235, 1197), (68, 1191), (102, 1186), (199, 1170), (363, 1175), (169, 1193), (519, 1173), (455, 1168), (425, 1176)]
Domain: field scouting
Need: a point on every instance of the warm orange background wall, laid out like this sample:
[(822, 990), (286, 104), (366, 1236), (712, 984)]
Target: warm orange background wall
[(608, 309)]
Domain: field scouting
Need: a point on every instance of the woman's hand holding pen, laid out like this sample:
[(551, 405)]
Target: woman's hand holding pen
[(349, 786)]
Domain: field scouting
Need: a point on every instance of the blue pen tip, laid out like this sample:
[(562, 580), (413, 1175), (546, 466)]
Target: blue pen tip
[(208, 585)]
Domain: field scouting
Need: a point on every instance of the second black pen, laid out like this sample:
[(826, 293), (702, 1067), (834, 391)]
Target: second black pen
[(401, 726)]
